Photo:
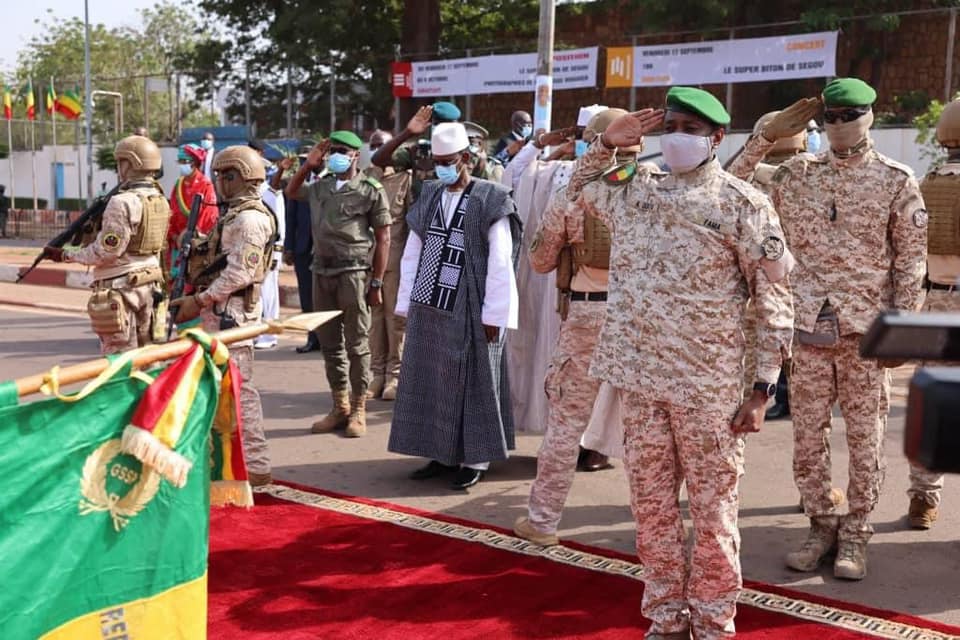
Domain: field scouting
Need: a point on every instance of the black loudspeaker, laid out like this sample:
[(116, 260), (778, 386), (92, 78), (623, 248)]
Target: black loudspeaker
[(932, 434)]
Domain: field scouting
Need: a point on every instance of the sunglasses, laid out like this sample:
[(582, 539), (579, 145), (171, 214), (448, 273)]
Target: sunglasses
[(227, 176), (843, 115), (446, 163)]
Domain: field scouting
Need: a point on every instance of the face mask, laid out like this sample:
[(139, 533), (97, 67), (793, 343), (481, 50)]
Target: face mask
[(526, 130), (580, 147), (186, 169), (339, 162), (813, 142), (847, 135), (206, 144), (684, 152), (475, 149), (448, 174)]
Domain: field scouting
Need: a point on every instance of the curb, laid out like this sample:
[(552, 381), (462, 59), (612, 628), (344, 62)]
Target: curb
[(47, 306)]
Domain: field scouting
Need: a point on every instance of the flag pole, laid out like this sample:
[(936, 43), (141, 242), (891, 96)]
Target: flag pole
[(33, 144), (53, 122), (13, 172), (152, 354)]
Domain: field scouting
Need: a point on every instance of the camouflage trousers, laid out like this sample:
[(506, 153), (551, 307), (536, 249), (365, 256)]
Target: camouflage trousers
[(820, 377), (664, 446), (571, 393), (386, 330), (138, 302), (254, 441), (924, 484), (345, 340)]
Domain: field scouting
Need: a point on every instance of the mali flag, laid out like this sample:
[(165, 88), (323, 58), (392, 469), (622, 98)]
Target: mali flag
[(51, 99), (104, 513), (31, 109), (7, 104), (69, 105)]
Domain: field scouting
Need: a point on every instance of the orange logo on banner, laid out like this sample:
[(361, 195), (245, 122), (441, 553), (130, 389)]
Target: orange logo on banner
[(619, 67)]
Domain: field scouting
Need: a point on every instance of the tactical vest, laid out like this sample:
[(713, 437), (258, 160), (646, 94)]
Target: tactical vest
[(594, 251), (207, 258), (941, 194), (151, 233)]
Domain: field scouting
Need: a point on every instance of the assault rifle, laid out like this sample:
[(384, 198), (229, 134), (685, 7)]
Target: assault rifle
[(76, 230), (186, 246)]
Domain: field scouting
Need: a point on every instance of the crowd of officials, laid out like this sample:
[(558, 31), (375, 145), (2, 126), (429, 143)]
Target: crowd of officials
[(684, 298)]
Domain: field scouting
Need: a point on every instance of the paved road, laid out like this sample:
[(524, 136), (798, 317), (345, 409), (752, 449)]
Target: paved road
[(912, 572)]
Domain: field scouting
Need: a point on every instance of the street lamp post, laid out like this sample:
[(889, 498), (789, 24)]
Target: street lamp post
[(88, 99), (118, 114)]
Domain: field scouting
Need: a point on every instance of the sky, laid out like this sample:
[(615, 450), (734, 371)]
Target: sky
[(19, 16)]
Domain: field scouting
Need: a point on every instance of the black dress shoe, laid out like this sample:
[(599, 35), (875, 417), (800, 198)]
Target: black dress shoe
[(595, 461), (778, 411), (312, 345), (466, 478), (431, 470)]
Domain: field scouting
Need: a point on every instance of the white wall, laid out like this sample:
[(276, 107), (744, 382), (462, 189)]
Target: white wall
[(23, 164)]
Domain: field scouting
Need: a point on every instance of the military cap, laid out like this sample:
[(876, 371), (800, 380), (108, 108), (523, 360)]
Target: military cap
[(699, 103), (474, 130), (348, 138), (848, 92), (445, 112)]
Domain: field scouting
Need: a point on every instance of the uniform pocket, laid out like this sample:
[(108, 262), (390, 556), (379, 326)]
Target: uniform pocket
[(553, 381)]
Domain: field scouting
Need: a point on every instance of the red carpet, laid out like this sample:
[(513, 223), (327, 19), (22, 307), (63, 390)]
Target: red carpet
[(314, 565)]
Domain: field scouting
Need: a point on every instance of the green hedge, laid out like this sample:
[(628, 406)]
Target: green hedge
[(27, 203), (71, 204)]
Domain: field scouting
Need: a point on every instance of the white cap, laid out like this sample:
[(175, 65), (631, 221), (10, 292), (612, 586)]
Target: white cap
[(448, 138), (586, 113)]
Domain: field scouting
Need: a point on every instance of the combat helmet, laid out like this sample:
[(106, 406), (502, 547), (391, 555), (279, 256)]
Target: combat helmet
[(948, 127), (242, 159), (142, 154)]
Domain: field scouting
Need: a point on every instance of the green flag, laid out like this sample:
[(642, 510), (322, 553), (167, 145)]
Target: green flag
[(95, 542)]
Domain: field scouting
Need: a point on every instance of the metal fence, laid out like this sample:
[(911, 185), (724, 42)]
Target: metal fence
[(42, 224)]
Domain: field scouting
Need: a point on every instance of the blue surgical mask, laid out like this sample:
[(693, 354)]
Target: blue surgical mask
[(339, 162), (580, 147), (813, 141), (186, 169), (206, 144), (526, 130), (448, 174)]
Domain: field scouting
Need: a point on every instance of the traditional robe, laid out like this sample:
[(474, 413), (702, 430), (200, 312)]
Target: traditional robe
[(453, 402)]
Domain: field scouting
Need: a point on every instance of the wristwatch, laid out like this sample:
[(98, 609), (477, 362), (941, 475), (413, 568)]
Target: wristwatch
[(375, 283), (768, 388)]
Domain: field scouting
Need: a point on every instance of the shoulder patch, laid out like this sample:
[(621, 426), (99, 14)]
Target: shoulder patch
[(252, 258), (373, 182), (110, 240), (899, 166), (621, 174)]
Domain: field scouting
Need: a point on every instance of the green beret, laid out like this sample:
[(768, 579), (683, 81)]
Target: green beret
[(848, 92), (445, 112), (348, 138), (699, 103)]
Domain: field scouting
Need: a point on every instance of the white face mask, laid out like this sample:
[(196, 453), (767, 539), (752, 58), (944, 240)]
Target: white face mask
[(684, 152), (847, 135)]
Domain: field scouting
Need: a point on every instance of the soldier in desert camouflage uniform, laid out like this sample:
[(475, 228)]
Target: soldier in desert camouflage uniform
[(941, 192), (689, 249), (856, 223), (228, 274), (571, 391)]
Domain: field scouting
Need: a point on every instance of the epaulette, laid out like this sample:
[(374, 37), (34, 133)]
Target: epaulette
[(899, 166), (373, 182), (753, 195), (621, 174)]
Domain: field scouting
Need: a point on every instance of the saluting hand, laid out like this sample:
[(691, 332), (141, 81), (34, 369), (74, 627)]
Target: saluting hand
[(420, 121), (628, 130), (316, 155), (555, 137), (791, 120)]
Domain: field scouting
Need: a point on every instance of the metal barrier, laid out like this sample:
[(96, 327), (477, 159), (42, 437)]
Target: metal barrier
[(38, 224)]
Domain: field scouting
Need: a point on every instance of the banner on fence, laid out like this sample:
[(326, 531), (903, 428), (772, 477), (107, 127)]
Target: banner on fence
[(808, 55), (572, 69)]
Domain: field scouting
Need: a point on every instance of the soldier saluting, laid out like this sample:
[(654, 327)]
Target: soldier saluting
[(227, 269), (124, 251)]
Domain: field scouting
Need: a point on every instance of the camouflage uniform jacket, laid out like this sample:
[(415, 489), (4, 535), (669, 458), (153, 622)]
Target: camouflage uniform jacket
[(857, 228), (560, 225), (688, 251)]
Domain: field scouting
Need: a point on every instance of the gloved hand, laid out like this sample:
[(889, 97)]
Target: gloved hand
[(187, 308), (54, 254), (791, 120)]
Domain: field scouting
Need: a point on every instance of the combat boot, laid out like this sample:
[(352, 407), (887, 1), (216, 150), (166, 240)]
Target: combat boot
[(376, 387), (821, 540), (922, 515), (357, 425), (390, 390), (851, 562), (338, 416)]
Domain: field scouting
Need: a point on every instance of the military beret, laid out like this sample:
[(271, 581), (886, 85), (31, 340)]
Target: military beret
[(699, 103), (348, 138), (848, 92), (445, 112)]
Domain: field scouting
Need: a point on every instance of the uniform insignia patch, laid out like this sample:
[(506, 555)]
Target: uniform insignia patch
[(773, 248), (252, 259), (920, 218), (111, 240), (537, 239), (620, 175)]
